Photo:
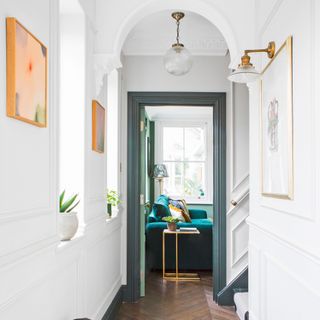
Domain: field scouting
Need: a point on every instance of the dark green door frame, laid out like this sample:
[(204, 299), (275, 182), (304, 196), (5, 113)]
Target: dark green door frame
[(136, 102)]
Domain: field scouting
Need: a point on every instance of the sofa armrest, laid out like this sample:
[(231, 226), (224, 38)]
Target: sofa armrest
[(198, 214), (152, 218)]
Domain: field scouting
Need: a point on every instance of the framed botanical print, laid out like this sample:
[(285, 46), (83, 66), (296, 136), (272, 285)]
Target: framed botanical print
[(98, 127), (277, 125), (26, 75)]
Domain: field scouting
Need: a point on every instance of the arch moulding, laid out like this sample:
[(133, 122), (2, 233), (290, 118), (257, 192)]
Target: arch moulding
[(108, 62)]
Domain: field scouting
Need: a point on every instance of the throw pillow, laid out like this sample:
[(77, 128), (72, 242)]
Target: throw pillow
[(186, 210), (160, 210), (176, 213), (181, 204)]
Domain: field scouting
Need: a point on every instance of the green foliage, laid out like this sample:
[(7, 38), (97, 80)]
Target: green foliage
[(170, 219), (113, 198), (68, 205)]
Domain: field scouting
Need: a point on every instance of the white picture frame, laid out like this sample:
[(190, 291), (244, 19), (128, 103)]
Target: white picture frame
[(276, 111)]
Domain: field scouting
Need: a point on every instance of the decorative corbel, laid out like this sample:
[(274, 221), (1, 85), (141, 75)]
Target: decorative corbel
[(103, 65)]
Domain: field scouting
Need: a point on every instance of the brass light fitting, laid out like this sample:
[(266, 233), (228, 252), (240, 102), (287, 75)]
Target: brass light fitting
[(246, 72), (270, 50), (177, 16)]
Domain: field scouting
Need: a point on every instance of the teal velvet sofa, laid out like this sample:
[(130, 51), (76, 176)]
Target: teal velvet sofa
[(195, 251)]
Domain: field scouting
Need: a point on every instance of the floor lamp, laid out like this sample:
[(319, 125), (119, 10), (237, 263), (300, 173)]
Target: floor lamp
[(160, 172)]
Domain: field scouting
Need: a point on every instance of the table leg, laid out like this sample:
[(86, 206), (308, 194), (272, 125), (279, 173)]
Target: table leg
[(163, 255), (177, 257)]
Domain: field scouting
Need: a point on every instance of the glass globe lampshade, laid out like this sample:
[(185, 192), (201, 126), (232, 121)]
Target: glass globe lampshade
[(178, 60)]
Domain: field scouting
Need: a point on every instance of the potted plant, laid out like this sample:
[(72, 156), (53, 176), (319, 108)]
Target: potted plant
[(68, 219), (112, 200), (171, 222)]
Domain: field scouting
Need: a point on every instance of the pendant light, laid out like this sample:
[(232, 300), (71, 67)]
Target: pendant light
[(178, 60)]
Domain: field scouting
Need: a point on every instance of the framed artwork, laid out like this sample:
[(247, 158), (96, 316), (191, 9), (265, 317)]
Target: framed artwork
[(276, 125), (26, 75), (98, 126)]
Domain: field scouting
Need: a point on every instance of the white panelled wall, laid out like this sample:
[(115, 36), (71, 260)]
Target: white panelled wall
[(41, 277), (238, 181), (284, 260)]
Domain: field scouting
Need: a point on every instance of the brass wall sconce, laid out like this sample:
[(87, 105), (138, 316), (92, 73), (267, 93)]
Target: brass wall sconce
[(246, 72)]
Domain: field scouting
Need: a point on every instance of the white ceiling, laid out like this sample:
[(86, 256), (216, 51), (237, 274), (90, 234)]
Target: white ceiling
[(155, 34), (179, 113)]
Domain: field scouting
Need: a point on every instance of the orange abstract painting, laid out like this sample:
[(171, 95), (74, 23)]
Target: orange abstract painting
[(98, 126), (26, 75)]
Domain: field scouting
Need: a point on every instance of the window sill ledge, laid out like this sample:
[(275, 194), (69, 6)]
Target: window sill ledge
[(207, 203), (65, 244), (81, 234), (112, 219)]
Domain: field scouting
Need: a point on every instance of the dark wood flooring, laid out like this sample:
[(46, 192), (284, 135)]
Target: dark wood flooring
[(169, 300)]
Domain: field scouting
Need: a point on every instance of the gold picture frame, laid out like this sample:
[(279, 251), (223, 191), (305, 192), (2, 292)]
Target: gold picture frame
[(98, 127), (26, 75), (276, 125)]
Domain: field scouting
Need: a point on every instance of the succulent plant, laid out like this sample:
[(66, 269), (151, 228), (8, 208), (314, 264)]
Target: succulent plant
[(68, 205), (170, 219)]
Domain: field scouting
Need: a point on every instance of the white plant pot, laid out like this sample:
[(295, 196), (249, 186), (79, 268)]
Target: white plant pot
[(67, 225)]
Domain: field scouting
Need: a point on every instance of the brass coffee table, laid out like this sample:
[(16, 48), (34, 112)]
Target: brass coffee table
[(176, 276)]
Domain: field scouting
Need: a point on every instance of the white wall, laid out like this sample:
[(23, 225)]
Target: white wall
[(28, 153), (208, 74), (147, 73), (113, 108), (284, 235), (40, 277), (72, 106)]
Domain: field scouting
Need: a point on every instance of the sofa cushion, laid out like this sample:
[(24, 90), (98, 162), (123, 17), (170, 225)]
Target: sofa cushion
[(153, 218), (200, 224), (160, 208), (198, 214), (177, 213), (181, 204)]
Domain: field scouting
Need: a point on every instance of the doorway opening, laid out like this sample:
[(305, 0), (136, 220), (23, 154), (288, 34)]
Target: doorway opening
[(137, 103)]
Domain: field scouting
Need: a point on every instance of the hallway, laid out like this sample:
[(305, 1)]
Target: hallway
[(168, 300), (96, 163)]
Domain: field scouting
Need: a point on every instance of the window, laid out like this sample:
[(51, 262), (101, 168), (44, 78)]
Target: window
[(186, 153)]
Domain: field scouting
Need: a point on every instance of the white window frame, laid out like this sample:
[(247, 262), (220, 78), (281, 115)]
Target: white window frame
[(207, 125)]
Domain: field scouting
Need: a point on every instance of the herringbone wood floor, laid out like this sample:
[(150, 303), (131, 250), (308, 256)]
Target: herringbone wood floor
[(168, 300)]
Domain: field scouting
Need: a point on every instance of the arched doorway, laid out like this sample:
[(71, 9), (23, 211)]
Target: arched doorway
[(132, 292)]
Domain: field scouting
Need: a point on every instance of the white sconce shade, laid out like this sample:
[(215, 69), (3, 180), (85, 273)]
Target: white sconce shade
[(244, 75)]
